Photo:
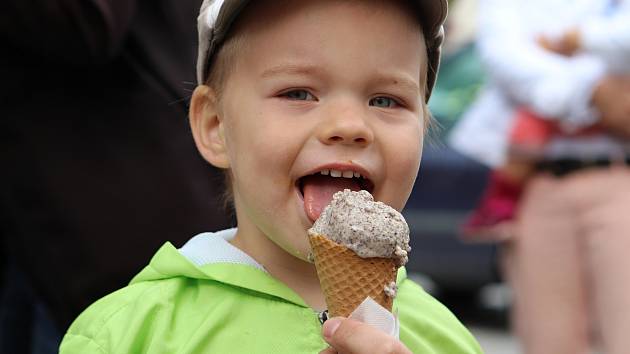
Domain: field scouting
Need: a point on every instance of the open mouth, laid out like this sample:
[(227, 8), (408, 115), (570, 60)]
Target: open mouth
[(317, 189)]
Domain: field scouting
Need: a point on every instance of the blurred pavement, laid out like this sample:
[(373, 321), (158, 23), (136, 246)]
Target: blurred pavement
[(495, 341), (485, 314)]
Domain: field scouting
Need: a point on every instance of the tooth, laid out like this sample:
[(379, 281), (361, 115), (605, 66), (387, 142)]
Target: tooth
[(348, 174), (325, 172), (357, 174), (335, 173)]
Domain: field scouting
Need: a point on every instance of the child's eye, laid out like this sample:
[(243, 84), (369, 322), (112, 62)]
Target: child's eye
[(298, 95), (383, 102)]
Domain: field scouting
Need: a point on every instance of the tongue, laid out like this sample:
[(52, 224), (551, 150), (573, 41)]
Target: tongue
[(319, 189)]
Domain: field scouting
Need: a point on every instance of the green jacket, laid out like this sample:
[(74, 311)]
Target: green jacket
[(209, 297)]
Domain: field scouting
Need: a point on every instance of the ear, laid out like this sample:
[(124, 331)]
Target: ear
[(207, 127)]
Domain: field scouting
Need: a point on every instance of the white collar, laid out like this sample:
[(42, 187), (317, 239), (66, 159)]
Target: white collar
[(213, 247)]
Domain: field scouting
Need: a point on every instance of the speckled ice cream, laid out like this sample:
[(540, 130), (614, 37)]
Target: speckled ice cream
[(369, 228)]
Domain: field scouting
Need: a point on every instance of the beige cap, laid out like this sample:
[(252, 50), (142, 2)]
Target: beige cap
[(216, 17)]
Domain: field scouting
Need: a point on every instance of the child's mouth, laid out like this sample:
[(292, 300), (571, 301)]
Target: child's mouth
[(317, 189)]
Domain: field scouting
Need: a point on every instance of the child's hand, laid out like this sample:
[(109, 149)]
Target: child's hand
[(347, 336)]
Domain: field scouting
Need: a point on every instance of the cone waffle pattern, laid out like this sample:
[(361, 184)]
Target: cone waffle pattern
[(348, 279)]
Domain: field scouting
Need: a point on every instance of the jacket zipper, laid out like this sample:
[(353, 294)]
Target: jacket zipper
[(322, 316)]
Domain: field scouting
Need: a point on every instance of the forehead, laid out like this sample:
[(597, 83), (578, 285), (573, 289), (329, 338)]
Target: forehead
[(381, 33)]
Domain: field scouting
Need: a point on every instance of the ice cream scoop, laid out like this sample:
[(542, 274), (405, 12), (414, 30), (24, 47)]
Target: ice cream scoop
[(369, 228)]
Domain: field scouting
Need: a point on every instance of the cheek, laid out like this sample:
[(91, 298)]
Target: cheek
[(261, 155), (406, 150), (403, 163), (408, 165)]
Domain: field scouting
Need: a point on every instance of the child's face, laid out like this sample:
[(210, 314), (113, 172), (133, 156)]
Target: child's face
[(323, 85)]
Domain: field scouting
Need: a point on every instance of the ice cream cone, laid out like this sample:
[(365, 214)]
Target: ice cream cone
[(347, 279)]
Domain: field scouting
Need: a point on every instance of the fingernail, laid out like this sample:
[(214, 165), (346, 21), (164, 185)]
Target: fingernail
[(330, 327)]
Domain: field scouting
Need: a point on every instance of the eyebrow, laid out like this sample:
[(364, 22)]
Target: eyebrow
[(291, 69), (399, 80)]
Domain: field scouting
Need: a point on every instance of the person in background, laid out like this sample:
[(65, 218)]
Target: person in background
[(98, 166), (492, 219), (567, 62)]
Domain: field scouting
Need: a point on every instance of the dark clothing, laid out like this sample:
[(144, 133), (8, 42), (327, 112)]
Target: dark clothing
[(25, 323), (98, 164)]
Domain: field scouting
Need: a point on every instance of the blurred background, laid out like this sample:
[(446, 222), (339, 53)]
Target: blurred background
[(463, 276)]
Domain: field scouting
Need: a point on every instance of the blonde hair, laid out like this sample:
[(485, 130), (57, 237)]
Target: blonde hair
[(224, 61)]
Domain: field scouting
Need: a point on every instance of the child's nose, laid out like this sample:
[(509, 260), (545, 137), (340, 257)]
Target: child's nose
[(347, 126)]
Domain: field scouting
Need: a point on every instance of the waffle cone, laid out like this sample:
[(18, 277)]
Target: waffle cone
[(347, 279)]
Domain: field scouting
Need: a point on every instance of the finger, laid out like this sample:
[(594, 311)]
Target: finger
[(352, 337)]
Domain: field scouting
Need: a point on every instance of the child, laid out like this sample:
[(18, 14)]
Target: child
[(292, 89)]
